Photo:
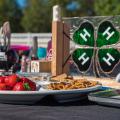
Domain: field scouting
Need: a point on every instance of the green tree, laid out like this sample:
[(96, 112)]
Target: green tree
[(10, 11), (37, 16), (38, 13), (62, 3), (107, 7), (83, 7), (64, 10)]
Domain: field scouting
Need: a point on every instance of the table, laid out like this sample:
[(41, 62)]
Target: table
[(48, 109)]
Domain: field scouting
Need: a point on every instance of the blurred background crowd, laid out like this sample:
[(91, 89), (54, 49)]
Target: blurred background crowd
[(35, 15)]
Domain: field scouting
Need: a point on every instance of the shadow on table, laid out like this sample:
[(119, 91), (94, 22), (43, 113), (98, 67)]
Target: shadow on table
[(50, 101)]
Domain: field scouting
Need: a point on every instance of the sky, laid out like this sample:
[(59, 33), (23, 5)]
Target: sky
[(21, 3), (71, 6)]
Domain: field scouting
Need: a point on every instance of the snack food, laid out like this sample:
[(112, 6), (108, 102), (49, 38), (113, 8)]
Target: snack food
[(73, 84), (62, 78)]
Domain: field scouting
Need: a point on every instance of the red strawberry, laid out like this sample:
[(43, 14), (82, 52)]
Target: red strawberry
[(3, 86), (11, 80), (31, 83), (21, 87), (2, 79)]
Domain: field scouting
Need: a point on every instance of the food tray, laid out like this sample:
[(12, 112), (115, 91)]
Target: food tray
[(109, 97)]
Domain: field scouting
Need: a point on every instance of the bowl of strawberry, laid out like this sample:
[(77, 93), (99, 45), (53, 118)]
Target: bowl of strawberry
[(16, 83)]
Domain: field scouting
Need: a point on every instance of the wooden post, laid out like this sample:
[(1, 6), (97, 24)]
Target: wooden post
[(57, 42), (60, 44), (66, 46)]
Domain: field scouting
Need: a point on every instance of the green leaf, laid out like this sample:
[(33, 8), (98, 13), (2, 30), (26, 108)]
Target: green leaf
[(26, 86), (108, 59), (82, 58), (84, 35), (107, 34)]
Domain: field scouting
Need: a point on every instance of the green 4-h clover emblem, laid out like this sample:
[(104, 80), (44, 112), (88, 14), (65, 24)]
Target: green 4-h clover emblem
[(100, 51)]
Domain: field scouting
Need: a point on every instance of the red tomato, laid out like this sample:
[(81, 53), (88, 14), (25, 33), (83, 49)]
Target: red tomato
[(3, 86), (2, 79), (19, 87), (31, 83), (11, 80)]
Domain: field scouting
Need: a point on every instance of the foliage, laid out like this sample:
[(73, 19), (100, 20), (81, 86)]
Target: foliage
[(9, 11), (38, 13), (107, 7), (83, 7), (37, 16)]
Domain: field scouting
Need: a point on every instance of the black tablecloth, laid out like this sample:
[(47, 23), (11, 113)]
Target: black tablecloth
[(48, 109)]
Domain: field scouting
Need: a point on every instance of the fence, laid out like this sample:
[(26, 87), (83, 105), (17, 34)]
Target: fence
[(25, 38)]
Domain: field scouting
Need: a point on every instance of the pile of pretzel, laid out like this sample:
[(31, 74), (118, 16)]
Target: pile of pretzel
[(69, 83)]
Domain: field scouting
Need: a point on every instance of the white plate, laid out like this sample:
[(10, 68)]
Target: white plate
[(21, 97), (31, 97), (71, 95)]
